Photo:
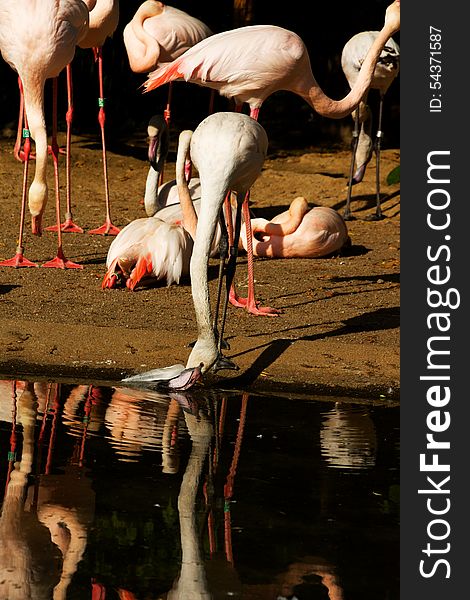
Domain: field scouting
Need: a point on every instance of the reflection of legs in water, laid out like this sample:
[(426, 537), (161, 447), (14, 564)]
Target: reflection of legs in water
[(170, 451)]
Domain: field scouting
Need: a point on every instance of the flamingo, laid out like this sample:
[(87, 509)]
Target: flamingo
[(158, 196), (159, 247), (385, 72), (251, 63), (298, 232), (158, 34), (38, 40), (104, 19), (228, 150)]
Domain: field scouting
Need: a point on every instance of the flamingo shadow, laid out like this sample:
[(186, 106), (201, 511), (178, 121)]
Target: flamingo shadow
[(381, 319)]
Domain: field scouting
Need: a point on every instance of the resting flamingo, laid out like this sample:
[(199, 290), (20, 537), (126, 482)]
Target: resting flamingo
[(159, 247), (38, 40), (298, 232), (228, 150), (251, 63), (385, 72)]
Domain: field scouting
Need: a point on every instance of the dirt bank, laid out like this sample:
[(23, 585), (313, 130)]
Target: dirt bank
[(339, 328)]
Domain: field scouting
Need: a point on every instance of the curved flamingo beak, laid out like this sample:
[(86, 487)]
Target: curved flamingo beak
[(152, 151), (186, 378)]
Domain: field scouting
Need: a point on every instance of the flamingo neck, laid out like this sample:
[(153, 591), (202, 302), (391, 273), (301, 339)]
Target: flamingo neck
[(288, 222), (151, 204), (192, 581), (205, 349), (145, 58), (187, 207), (337, 109)]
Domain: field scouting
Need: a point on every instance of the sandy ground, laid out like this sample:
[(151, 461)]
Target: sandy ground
[(339, 328)]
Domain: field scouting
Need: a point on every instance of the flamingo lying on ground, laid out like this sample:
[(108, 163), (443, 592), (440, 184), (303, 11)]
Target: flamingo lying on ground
[(228, 150), (38, 40), (250, 63), (159, 247), (385, 72), (298, 232)]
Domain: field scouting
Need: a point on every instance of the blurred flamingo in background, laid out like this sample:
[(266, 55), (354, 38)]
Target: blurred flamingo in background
[(38, 40), (385, 72)]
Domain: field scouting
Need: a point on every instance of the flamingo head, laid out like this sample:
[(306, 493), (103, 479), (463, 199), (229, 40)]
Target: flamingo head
[(158, 141), (37, 203)]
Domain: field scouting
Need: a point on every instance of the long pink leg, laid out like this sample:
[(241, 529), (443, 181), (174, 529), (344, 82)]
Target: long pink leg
[(250, 303), (167, 117), (18, 153), (68, 226), (59, 262), (19, 260), (107, 228)]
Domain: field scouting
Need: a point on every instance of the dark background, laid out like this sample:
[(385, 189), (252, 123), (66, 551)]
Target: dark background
[(290, 122)]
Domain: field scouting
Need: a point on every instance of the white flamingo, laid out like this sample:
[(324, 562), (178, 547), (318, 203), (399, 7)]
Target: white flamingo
[(159, 247), (385, 72), (158, 196), (38, 40), (228, 150)]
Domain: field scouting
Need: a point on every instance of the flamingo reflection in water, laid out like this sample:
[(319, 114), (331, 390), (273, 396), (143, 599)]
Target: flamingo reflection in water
[(57, 511), (36, 520)]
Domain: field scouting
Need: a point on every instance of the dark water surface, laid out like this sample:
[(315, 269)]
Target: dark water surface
[(118, 493)]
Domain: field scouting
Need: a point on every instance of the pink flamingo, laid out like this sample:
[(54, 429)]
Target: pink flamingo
[(251, 63), (298, 232), (158, 34), (385, 72), (159, 247), (52, 28), (104, 18)]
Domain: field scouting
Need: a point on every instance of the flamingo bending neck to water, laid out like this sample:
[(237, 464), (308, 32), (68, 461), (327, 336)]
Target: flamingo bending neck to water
[(228, 150)]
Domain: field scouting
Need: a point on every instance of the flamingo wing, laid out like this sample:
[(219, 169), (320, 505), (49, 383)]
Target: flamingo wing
[(246, 63)]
